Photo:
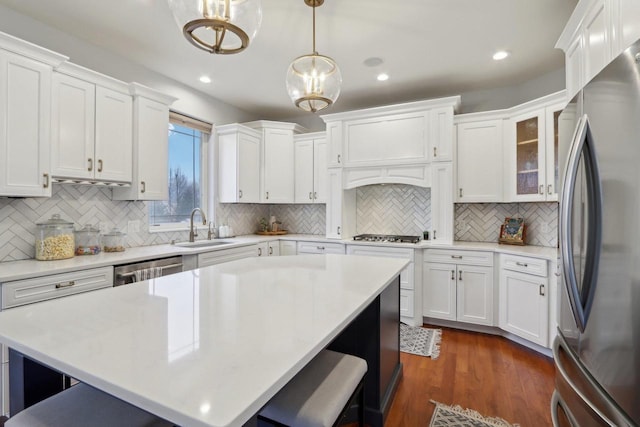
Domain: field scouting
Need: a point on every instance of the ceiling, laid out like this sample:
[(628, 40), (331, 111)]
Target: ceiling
[(430, 48)]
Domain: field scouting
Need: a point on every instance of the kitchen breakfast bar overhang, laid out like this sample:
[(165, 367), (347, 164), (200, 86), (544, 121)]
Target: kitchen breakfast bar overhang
[(210, 347)]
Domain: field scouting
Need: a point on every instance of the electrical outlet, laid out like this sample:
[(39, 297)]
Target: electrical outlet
[(133, 226), (462, 225), (544, 228)]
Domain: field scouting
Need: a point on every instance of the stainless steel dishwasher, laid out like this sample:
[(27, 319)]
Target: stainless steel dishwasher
[(130, 273)]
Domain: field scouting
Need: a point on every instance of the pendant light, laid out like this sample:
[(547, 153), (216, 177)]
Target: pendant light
[(313, 81), (218, 26)]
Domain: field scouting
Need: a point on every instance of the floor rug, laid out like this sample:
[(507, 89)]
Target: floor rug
[(420, 341), (456, 416)]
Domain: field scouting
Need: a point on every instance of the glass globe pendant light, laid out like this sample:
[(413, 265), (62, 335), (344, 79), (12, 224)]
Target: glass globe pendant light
[(313, 81), (218, 26)]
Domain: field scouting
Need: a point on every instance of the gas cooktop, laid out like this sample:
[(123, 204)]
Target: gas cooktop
[(391, 238)]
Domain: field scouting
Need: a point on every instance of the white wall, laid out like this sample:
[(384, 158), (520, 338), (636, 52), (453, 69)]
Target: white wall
[(190, 101)]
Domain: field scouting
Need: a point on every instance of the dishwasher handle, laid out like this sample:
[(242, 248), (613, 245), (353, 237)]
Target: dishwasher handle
[(132, 273)]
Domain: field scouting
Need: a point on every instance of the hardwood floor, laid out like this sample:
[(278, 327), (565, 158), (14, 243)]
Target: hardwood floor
[(489, 374)]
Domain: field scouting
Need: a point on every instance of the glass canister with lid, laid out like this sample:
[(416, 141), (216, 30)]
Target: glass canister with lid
[(113, 241), (88, 240), (54, 239)]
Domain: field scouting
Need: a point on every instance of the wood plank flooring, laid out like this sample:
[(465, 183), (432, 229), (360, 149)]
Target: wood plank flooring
[(489, 374)]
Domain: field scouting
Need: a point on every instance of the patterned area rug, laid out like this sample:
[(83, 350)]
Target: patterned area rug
[(456, 416), (420, 341)]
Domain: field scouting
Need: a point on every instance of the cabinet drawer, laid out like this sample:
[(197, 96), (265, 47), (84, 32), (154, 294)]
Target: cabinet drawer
[(379, 251), (524, 264), (28, 291), (218, 257), (320, 248), (459, 257)]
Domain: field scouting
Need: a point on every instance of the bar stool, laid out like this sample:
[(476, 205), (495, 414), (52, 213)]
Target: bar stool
[(84, 406), (320, 395)]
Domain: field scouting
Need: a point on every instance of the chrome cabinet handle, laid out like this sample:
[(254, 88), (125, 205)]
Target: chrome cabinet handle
[(315, 195), (267, 195), (549, 189), (270, 250), (320, 248), (521, 264), (259, 251), (339, 157), (144, 186), (99, 165), (310, 195), (240, 194), (435, 151), (541, 189), (453, 275), (338, 230), (460, 192), (90, 168), (460, 275), (434, 235), (541, 290), (65, 284), (456, 256), (45, 184)]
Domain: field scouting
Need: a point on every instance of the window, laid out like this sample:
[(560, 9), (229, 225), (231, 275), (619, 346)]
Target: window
[(188, 140)]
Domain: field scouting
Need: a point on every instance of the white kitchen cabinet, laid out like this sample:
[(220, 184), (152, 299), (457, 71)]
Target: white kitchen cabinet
[(238, 164), (92, 126), (320, 248), (341, 207), (524, 298), (442, 203), (268, 249), (150, 146), (626, 23), (532, 150), (25, 118), (407, 275), (458, 286), (277, 160), (479, 159), (334, 144), (288, 247), (225, 255), (441, 134), (310, 154)]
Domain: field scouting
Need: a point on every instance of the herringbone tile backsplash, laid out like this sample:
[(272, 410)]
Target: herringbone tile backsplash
[(480, 222), (393, 209)]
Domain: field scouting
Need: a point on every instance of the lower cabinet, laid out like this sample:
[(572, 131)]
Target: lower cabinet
[(524, 298), (320, 248), (268, 248), (288, 247), (218, 257), (457, 291)]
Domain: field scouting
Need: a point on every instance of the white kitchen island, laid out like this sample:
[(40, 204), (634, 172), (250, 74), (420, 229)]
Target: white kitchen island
[(210, 347)]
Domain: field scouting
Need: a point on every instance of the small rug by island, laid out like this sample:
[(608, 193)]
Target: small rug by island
[(420, 341), (456, 416)]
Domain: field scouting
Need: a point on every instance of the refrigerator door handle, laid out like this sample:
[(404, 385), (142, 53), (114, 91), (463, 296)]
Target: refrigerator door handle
[(581, 148), (558, 402)]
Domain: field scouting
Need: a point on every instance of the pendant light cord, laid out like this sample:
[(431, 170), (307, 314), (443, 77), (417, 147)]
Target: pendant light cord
[(314, 29)]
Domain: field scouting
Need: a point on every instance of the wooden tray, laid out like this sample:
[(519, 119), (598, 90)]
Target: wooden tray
[(271, 233)]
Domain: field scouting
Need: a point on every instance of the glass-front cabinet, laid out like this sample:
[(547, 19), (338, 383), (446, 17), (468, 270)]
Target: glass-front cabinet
[(534, 155)]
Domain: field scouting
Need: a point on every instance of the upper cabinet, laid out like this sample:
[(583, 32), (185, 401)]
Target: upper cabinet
[(597, 32), (441, 134), (238, 164), (150, 146), (532, 150), (25, 117), (277, 160), (310, 155), (92, 126)]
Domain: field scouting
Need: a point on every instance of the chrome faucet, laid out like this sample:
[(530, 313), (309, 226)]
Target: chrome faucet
[(193, 234)]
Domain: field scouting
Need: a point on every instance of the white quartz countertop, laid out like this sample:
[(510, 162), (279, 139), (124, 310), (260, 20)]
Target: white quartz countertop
[(206, 347), (16, 270)]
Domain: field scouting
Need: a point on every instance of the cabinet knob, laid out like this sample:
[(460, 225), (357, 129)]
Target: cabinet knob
[(541, 189), (100, 165), (90, 168), (45, 183), (144, 186), (541, 290), (240, 194)]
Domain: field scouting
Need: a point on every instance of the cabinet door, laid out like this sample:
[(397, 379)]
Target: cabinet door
[(334, 144), (475, 294), (439, 291), (320, 171), (288, 247), (114, 135), (441, 139), (527, 162), (273, 248), (551, 150), (152, 149), (442, 203), (574, 66), (262, 249), (304, 172), (25, 126), (334, 203), (72, 127), (597, 39), (479, 161), (248, 169), (524, 306), (278, 166), (629, 24)]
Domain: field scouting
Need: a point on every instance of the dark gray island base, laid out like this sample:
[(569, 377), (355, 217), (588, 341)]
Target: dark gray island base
[(375, 336)]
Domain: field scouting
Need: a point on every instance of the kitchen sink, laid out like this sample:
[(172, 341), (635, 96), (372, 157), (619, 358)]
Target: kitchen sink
[(202, 243)]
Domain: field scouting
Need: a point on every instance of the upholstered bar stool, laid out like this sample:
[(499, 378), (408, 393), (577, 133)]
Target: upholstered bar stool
[(84, 406), (319, 395)]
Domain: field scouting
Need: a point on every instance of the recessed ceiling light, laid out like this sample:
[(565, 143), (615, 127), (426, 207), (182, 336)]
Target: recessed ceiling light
[(373, 61), (382, 77), (501, 54), (205, 79)]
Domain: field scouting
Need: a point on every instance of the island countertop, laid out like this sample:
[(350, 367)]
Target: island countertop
[(206, 347)]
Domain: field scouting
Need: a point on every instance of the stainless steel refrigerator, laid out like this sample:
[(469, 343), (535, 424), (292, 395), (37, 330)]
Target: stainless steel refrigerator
[(597, 351)]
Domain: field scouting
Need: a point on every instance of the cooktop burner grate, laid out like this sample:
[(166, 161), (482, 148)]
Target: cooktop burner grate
[(391, 238)]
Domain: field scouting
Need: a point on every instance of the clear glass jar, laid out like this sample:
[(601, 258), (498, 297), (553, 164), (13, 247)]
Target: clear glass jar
[(113, 241), (54, 239), (88, 241)]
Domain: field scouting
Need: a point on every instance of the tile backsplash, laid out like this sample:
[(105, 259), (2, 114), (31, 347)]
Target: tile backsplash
[(480, 222)]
